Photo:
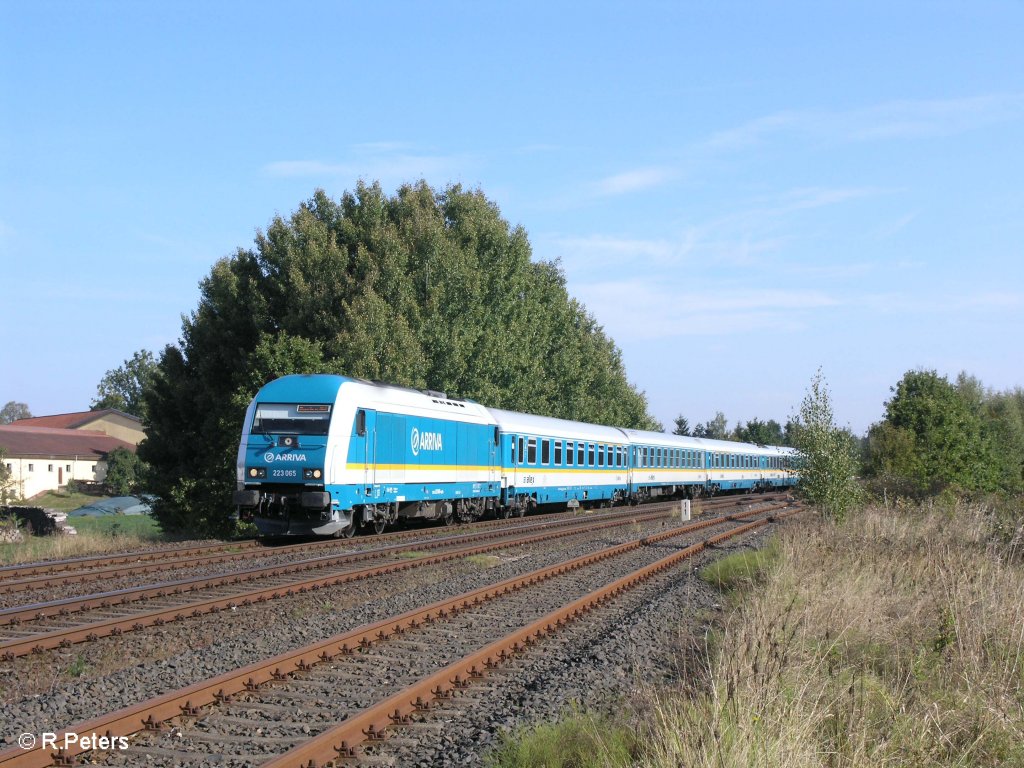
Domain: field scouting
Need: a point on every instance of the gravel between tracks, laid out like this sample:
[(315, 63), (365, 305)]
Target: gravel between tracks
[(599, 666), (181, 653)]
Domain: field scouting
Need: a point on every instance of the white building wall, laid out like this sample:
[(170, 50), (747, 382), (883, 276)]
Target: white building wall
[(31, 476)]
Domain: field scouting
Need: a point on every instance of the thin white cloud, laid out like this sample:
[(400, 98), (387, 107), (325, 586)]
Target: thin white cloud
[(638, 309), (633, 181), (945, 304), (891, 228), (888, 120), (388, 162)]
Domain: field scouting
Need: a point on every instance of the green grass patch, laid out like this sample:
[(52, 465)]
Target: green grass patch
[(63, 501), (580, 740), (412, 555), (741, 570), (141, 526), (484, 561)]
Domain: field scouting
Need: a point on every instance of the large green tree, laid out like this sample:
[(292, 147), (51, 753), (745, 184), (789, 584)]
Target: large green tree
[(122, 388), (422, 288), (960, 434), (934, 434)]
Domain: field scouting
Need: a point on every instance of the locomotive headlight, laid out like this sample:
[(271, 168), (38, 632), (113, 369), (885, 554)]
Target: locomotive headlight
[(312, 474), (316, 474), (257, 472)]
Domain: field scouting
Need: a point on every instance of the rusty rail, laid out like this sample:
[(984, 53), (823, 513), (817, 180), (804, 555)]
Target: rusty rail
[(149, 714), (52, 573), (65, 637)]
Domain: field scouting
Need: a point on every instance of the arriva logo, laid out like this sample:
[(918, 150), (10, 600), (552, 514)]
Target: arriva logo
[(428, 441), (270, 458)]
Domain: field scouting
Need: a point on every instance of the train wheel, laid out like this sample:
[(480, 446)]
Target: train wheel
[(349, 531), (449, 517), (505, 512), (379, 524)]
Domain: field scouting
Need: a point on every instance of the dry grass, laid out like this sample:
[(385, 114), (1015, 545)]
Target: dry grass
[(896, 638), (96, 535)]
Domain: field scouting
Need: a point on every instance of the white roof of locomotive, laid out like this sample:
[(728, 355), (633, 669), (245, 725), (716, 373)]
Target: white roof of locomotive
[(413, 402)]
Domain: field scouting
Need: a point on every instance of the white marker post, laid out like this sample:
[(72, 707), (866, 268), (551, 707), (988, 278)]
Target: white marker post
[(684, 510)]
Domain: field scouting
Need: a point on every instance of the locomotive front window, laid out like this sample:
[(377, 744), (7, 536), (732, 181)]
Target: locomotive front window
[(291, 419)]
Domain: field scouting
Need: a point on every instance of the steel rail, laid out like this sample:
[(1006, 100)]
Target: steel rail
[(52, 573), (65, 637), (372, 723), (113, 598), (151, 713)]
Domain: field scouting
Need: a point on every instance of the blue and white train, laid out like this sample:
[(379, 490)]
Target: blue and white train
[(324, 455)]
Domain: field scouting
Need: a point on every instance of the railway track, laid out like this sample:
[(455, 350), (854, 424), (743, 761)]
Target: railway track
[(62, 623), (316, 704), (82, 570)]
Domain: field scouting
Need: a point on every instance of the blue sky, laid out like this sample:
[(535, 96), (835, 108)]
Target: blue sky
[(739, 192)]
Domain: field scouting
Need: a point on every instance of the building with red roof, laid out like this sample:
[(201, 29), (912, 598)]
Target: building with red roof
[(47, 452), (109, 421)]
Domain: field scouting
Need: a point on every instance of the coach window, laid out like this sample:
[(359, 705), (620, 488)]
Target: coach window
[(531, 451), (545, 451), (558, 453), (590, 455), (569, 451), (579, 454)]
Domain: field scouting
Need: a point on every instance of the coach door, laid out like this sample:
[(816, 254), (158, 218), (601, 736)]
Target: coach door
[(492, 458)]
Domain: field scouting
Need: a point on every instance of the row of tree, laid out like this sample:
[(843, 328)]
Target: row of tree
[(757, 431), (937, 434)]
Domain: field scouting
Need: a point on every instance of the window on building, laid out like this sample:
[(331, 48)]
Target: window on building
[(49, 467), (31, 467), (67, 467)]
